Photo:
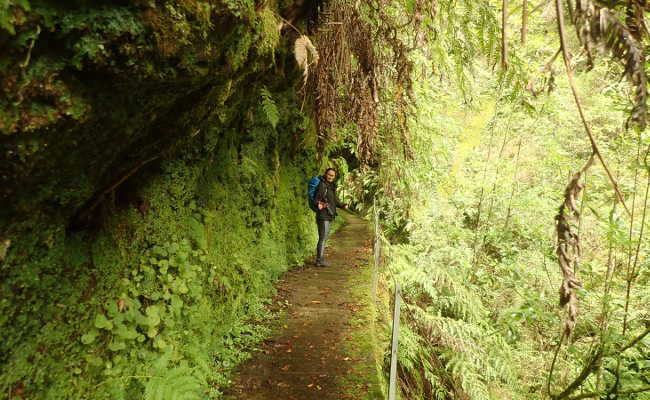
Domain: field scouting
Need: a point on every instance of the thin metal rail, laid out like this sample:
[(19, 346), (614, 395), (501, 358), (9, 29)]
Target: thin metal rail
[(392, 383)]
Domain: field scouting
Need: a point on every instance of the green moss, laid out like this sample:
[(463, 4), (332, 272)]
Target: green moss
[(185, 257), (370, 339), (108, 293)]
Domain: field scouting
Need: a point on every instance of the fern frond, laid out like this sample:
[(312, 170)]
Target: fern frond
[(177, 384), (306, 55), (269, 107)]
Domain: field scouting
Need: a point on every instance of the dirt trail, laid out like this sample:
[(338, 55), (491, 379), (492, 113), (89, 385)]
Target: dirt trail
[(323, 349)]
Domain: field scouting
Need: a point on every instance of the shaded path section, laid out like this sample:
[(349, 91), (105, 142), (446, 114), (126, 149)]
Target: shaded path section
[(317, 353)]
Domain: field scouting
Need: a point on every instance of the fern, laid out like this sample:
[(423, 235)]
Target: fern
[(176, 384), (602, 26), (268, 106), (306, 55)]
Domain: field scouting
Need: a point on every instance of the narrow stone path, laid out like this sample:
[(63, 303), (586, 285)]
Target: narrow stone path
[(323, 349)]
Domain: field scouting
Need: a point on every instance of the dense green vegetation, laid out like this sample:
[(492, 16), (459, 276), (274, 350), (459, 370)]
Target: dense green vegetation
[(152, 170), (152, 190), (472, 215)]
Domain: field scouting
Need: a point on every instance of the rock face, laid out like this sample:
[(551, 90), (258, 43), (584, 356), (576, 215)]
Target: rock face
[(92, 90), (153, 158)]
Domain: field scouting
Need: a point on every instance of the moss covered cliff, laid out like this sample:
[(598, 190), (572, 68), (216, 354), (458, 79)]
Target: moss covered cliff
[(152, 169)]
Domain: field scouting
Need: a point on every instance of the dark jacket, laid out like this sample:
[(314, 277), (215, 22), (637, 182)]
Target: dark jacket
[(326, 192)]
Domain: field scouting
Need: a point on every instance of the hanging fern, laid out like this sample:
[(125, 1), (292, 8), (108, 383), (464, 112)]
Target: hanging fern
[(601, 26), (268, 106), (306, 55), (176, 384)]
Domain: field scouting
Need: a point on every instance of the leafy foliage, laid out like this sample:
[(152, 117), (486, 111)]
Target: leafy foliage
[(475, 251), (601, 26), (151, 244), (270, 109), (162, 213), (177, 383)]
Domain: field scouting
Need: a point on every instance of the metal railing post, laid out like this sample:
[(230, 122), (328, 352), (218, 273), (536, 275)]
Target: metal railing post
[(376, 251), (392, 384)]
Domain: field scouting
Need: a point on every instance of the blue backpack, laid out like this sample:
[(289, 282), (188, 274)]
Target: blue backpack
[(311, 192)]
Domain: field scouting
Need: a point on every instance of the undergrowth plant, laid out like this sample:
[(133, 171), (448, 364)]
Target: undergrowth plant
[(476, 255), (168, 292)]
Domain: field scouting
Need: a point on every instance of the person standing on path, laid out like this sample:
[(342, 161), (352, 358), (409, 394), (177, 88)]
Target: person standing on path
[(327, 202)]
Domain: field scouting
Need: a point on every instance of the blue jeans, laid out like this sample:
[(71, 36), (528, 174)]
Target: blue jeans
[(323, 233)]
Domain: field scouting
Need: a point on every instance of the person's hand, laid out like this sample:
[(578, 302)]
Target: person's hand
[(346, 206)]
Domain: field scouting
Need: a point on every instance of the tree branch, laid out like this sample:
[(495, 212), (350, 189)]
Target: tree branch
[(599, 394), (592, 140), (633, 342), (592, 364)]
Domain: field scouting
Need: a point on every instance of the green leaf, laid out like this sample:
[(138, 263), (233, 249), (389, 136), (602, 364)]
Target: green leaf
[(101, 322), (159, 343), (268, 106), (89, 337), (117, 345), (93, 360), (128, 333), (176, 304), (153, 316)]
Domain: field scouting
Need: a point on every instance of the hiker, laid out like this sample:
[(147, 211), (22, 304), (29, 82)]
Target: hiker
[(326, 201)]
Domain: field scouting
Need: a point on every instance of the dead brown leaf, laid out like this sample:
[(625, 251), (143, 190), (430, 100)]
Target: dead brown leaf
[(121, 305)]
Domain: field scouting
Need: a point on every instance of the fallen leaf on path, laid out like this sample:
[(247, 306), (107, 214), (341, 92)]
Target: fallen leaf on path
[(315, 301), (288, 350), (347, 359)]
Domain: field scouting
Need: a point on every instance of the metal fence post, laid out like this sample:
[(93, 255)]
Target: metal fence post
[(392, 384), (376, 251)]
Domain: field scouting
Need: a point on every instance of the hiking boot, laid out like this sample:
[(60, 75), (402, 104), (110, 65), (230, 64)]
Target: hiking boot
[(322, 264)]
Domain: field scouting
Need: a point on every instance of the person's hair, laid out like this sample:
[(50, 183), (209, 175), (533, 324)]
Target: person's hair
[(330, 169)]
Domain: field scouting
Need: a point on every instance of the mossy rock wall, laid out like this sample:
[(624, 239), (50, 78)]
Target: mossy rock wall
[(153, 168)]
